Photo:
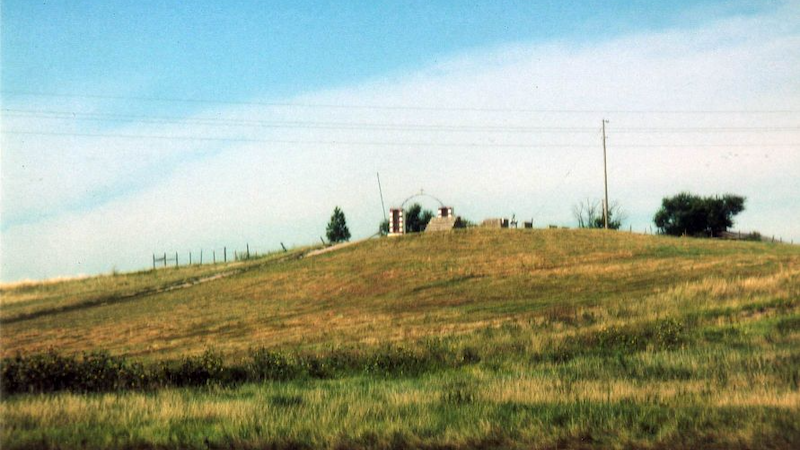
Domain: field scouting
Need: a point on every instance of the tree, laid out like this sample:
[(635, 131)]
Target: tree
[(461, 222), (383, 228), (417, 219), (337, 228), (589, 214), (693, 215)]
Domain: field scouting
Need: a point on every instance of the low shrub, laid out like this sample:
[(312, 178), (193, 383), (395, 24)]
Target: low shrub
[(51, 371), (469, 355), (458, 393), (271, 365), (788, 325), (397, 361), (201, 370), (99, 372), (787, 369), (285, 401), (666, 334)]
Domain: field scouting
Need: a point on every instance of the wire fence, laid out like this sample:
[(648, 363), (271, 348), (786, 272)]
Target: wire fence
[(212, 255)]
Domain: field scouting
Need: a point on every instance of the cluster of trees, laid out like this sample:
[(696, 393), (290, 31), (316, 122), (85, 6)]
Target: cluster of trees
[(684, 214), (416, 218), (691, 215)]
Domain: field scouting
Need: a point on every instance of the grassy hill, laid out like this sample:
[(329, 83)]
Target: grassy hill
[(556, 338)]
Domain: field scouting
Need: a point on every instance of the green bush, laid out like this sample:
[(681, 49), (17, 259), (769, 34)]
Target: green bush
[(100, 372), (286, 400), (469, 355), (458, 393), (50, 372), (270, 365), (396, 361), (788, 325), (667, 334), (199, 370)]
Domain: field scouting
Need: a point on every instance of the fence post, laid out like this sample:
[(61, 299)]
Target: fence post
[(284, 247), (224, 254), (235, 256), (248, 251), (165, 259), (154, 261), (176, 259), (214, 256), (190, 258), (201, 256)]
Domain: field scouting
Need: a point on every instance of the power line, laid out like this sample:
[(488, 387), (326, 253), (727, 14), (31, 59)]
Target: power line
[(290, 124), (374, 143), (396, 107), (210, 121), (627, 130), (285, 141)]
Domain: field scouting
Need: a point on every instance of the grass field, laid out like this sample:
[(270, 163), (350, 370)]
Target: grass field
[(578, 339)]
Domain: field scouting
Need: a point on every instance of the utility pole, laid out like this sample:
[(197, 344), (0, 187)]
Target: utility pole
[(383, 206), (605, 177)]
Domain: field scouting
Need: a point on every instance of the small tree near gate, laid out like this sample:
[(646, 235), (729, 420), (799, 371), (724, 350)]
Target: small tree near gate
[(589, 214), (417, 218), (337, 228)]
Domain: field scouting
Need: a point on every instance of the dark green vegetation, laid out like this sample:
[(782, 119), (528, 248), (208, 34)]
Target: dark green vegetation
[(470, 339), (101, 372), (692, 215), (337, 230), (416, 218)]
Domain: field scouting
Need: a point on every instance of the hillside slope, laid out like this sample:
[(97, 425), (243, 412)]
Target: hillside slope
[(473, 339), (401, 289)]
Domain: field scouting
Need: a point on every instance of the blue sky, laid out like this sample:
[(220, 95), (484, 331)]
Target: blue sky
[(241, 50), (129, 70)]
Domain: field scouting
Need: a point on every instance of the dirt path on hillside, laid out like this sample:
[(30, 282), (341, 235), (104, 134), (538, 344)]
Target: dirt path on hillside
[(130, 296), (174, 286), (333, 248)]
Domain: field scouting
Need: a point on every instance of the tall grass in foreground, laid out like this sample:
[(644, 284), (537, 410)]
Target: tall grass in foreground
[(451, 410), (703, 385)]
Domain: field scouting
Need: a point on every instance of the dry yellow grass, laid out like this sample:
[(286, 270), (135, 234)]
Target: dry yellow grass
[(441, 284)]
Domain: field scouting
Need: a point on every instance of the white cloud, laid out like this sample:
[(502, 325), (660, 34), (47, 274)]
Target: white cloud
[(182, 195)]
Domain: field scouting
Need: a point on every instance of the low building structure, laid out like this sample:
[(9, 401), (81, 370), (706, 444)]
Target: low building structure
[(498, 222), (444, 221)]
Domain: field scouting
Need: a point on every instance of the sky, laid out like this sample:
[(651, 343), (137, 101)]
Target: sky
[(134, 128)]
